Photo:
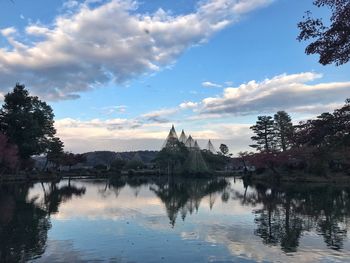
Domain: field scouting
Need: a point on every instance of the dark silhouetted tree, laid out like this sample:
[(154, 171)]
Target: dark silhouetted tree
[(245, 156), (342, 124), (71, 159), (8, 155), (172, 157), (283, 130), (224, 149), (55, 152), (264, 134), (118, 164), (330, 40), (27, 122)]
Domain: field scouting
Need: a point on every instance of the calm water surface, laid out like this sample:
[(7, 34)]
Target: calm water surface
[(178, 220)]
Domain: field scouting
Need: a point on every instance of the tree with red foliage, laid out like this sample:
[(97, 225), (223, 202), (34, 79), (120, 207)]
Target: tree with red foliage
[(270, 160), (8, 155)]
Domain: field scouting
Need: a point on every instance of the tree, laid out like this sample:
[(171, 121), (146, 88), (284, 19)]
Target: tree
[(8, 155), (215, 162), (27, 122), (224, 149), (71, 159), (265, 134), (342, 124), (23, 224), (172, 157), (118, 164), (318, 133), (55, 152), (283, 129), (331, 42), (244, 156)]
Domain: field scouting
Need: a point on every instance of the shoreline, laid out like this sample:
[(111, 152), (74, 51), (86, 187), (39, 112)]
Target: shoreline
[(329, 179), (337, 178)]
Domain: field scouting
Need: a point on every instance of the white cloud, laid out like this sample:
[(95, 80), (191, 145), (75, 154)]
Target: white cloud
[(70, 4), (108, 110), (317, 108), (188, 105), (6, 32), (283, 92), (90, 45), (209, 84)]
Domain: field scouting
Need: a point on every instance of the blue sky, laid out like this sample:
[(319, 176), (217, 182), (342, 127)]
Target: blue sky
[(118, 73)]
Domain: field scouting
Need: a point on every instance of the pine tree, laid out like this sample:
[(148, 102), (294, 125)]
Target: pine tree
[(283, 130), (264, 134)]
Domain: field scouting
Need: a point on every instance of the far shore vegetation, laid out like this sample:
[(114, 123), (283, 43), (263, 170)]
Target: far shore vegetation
[(316, 148)]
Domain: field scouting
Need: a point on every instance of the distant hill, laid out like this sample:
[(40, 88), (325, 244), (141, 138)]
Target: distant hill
[(106, 157)]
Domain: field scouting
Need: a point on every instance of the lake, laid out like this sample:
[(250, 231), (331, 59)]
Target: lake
[(173, 220)]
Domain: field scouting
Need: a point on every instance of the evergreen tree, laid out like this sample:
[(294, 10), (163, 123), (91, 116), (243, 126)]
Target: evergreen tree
[(283, 130), (8, 155), (172, 157), (264, 134), (27, 122), (224, 149), (55, 152)]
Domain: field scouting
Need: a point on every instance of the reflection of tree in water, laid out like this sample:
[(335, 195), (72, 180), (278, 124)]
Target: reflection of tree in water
[(113, 185), (289, 211), (333, 208), (24, 223), (116, 184), (185, 195), (278, 223), (178, 195), (60, 194)]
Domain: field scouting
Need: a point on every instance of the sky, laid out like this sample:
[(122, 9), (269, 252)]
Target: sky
[(119, 73)]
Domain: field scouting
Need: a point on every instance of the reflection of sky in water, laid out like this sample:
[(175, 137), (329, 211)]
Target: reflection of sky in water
[(131, 225)]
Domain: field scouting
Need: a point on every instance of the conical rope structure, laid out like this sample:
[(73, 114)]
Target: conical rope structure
[(172, 138), (210, 147), (194, 162), (183, 137), (190, 142)]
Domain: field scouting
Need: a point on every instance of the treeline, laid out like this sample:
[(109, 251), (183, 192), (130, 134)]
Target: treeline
[(26, 130), (319, 146)]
